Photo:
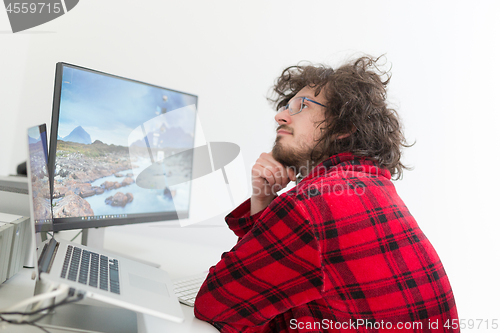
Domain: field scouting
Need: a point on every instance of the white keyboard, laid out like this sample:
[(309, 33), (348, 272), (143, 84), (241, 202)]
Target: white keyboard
[(187, 288)]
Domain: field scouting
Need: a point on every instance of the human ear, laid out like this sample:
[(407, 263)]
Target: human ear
[(343, 136)]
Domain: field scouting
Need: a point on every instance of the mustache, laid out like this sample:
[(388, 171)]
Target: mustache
[(285, 128)]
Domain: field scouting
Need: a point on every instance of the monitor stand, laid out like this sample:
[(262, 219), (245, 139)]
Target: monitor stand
[(94, 238)]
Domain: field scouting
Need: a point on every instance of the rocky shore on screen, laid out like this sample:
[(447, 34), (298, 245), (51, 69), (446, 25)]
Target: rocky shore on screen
[(76, 171)]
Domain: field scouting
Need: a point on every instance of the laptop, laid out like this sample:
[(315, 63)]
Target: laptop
[(97, 274)]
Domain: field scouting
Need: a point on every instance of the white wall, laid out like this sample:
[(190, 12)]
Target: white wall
[(445, 84)]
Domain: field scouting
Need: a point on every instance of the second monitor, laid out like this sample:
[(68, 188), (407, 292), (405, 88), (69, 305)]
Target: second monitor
[(107, 132)]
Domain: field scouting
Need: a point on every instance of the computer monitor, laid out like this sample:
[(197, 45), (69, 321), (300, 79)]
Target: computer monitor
[(120, 150), (40, 180)]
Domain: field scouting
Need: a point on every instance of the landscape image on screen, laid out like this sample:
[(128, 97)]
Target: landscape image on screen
[(111, 130), (40, 186)]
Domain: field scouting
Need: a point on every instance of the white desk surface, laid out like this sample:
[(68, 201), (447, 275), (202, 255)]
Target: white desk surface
[(180, 251)]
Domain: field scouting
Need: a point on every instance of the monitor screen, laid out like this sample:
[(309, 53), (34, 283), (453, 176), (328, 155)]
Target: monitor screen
[(120, 150), (40, 200)]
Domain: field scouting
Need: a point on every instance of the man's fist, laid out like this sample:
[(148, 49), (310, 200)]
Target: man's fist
[(268, 178)]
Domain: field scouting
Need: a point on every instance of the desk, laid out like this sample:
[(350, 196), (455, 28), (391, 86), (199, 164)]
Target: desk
[(179, 251)]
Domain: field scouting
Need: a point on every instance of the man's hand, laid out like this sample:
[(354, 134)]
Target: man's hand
[(268, 178)]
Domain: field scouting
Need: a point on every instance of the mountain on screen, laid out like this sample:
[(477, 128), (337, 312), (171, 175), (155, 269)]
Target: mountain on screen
[(78, 135), (32, 140)]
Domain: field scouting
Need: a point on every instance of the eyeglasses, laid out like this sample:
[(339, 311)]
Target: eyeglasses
[(297, 104)]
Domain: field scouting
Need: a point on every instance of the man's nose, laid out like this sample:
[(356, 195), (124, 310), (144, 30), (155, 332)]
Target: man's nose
[(283, 117)]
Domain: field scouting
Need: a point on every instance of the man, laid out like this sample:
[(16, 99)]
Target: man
[(340, 251)]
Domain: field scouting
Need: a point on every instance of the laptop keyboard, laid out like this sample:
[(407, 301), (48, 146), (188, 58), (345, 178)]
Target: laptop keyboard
[(91, 269), (187, 288)]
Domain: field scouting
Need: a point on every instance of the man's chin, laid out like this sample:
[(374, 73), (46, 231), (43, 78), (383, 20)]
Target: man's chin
[(285, 155), (280, 138), (278, 152)]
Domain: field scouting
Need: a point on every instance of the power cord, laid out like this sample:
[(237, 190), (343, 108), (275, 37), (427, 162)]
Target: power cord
[(78, 234), (70, 298), (38, 298), (72, 239)]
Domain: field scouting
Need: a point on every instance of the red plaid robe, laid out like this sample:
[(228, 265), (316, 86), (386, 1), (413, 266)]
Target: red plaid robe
[(340, 252)]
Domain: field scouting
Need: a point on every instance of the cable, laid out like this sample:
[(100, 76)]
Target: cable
[(32, 322), (78, 234), (41, 302), (38, 298), (66, 300)]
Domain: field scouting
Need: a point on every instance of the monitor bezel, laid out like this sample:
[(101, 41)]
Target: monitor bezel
[(60, 224)]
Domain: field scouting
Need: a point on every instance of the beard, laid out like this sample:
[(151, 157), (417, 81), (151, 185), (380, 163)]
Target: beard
[(297, 158)]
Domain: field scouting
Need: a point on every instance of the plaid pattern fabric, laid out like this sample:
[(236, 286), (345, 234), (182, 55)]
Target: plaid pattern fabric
[(340, 252)]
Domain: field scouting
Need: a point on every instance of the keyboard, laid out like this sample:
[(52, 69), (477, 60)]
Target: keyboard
[(92, 269), (187, 288)]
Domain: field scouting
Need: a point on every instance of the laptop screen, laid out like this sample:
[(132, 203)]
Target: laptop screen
[(39, 178)]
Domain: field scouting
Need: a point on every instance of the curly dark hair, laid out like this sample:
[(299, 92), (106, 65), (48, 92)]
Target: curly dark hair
[(357, 105)]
